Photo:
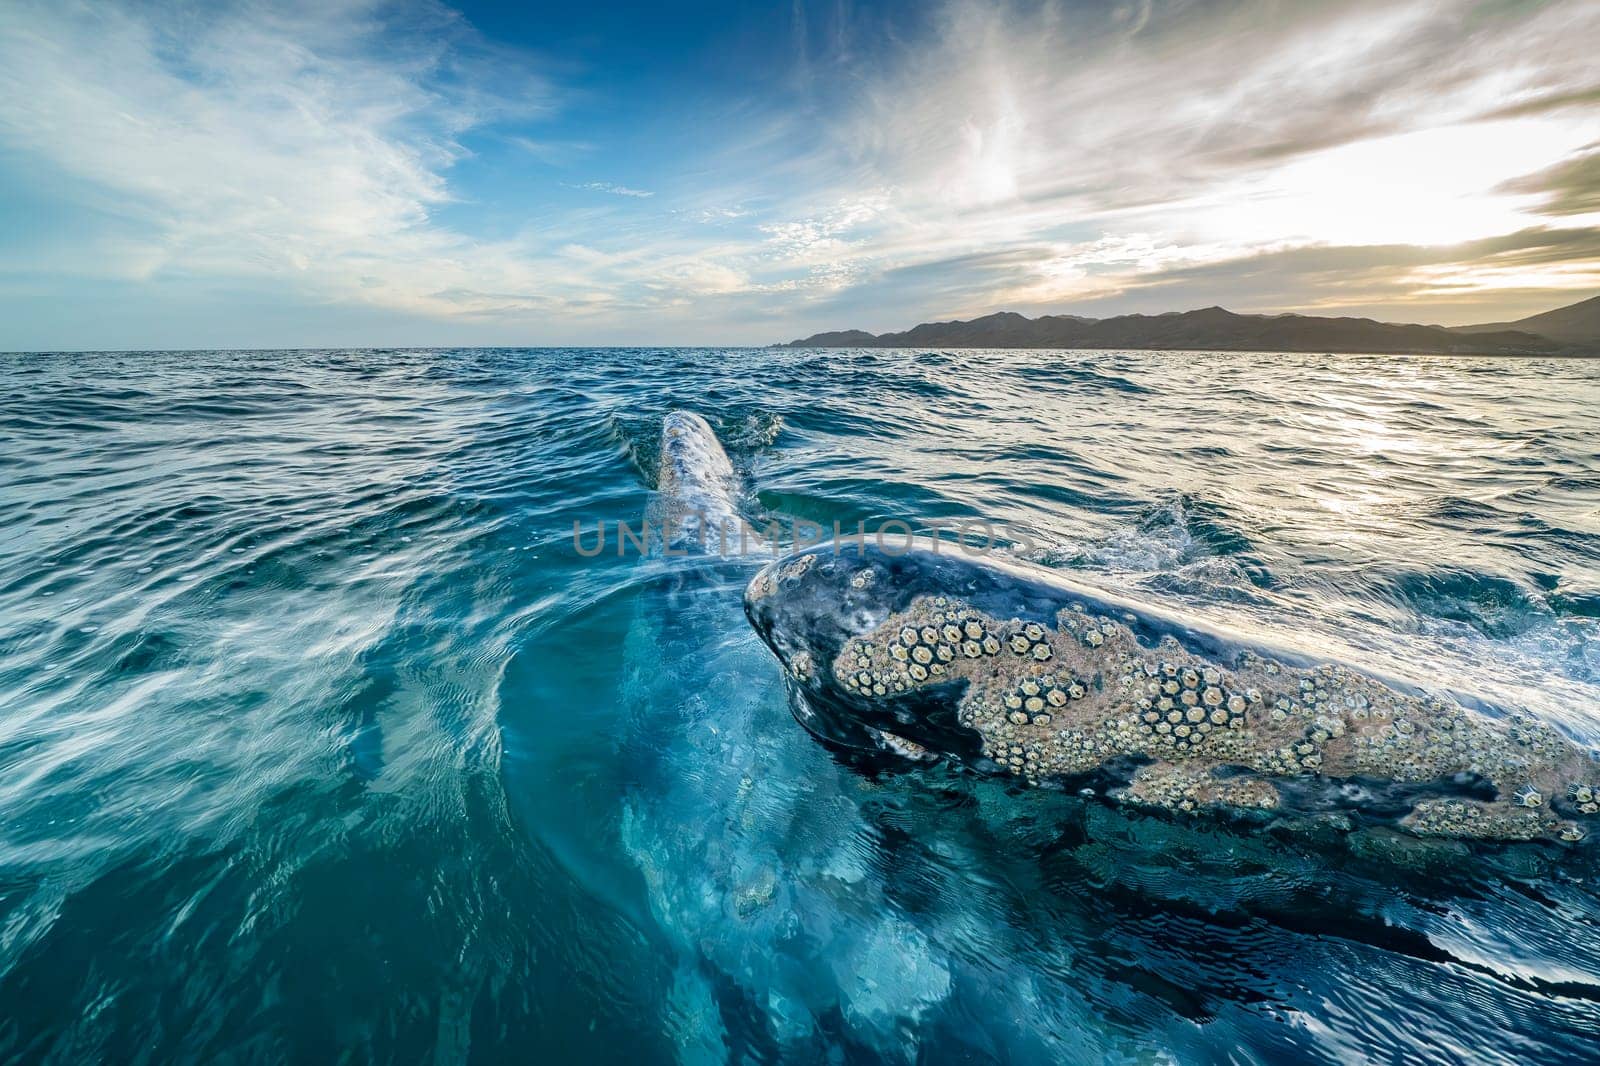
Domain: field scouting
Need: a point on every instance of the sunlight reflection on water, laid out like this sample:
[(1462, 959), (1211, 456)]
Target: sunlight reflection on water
[(320, 740)]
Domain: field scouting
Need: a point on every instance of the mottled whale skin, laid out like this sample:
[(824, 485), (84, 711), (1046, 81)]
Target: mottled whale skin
[(925, 651), (697, 484)]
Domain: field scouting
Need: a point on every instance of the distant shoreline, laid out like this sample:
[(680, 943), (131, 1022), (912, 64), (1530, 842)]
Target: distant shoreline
[(1569, 353), (1572, 331)]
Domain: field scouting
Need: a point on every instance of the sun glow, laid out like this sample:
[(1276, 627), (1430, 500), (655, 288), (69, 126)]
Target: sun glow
[(1429, 187)]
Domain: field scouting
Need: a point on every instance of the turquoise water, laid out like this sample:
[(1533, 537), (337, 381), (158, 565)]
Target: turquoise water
[(318, 740)]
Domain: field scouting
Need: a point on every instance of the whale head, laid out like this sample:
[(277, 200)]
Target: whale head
[(1007, 668), (814, 610)]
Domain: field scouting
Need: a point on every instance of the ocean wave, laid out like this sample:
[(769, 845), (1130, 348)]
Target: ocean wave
[(319, 739)]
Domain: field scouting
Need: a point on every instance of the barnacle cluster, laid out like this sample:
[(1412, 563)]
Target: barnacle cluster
[(1181, 706), (1188, 788), (1053, 697), (1473, 818), (1034, 699), (919, 649), (769, 581), (1029, 642)]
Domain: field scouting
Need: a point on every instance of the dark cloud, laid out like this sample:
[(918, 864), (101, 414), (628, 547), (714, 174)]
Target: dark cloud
[(1394, 282), (1233, 87), (1569, 100), (1377, 280), (1571, 187)]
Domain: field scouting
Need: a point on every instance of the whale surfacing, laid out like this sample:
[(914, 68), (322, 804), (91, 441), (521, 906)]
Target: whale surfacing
[(696, 480), (1016, 670)]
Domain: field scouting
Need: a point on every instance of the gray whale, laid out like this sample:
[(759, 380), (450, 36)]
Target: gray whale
[(926, 652), (721, 817), (696, 483)]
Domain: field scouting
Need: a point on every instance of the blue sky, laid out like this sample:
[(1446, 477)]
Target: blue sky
[(354, 173)]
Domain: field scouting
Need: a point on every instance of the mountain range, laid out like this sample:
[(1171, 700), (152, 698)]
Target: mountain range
[(1573, 330)]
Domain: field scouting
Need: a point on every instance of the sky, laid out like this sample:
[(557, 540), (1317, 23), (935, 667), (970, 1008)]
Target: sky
[(352, 172)]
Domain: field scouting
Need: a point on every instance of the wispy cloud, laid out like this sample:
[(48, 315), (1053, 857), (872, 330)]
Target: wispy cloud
[(616, 190), (1217, 133), (1039, 155), (311, 142), (1570, 187)]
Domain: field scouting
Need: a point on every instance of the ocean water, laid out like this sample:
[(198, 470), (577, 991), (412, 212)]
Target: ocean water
[(320, 742)]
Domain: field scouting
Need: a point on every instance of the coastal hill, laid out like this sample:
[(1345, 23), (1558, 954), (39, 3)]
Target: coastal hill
[(1217, 329), (1577, 323)]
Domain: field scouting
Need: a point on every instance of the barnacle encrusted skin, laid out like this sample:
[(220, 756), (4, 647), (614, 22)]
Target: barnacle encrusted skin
[(768, 582), (801, 666), (1186, 787), (1061, 699), (1473, 818)]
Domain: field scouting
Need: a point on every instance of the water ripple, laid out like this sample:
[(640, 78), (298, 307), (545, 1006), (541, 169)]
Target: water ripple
[(318, 739)]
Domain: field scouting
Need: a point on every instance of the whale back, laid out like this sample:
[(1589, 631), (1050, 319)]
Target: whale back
[(697, 482)]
